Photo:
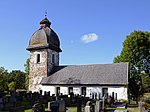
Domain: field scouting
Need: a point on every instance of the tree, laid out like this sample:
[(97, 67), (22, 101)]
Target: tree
[(136, 51), (12, 86), (3, 79), (17, 77), (27, 68), (146, 83)]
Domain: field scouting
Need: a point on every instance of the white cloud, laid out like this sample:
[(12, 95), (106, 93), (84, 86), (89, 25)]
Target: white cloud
[(89, 38)]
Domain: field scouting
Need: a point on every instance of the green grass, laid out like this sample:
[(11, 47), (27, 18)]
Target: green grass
[(136, 109), (30, 110), (115, 109), (72, 109)]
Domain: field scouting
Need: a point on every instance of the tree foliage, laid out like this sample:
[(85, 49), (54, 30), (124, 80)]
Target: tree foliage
[(18, 77), (11, 81), (12, 86), (27, 68), (3, 79), (136, 51)]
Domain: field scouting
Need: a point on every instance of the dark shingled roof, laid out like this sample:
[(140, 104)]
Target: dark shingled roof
[(97, 74)]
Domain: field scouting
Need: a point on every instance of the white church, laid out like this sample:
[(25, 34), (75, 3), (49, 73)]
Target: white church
[(47, 75)]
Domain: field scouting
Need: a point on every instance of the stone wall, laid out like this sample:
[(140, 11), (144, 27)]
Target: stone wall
[(37, 69), (41, 67), (56, 59)]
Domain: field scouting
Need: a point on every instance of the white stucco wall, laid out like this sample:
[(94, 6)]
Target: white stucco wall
[(121, 91), (47, 89), (64, 90)]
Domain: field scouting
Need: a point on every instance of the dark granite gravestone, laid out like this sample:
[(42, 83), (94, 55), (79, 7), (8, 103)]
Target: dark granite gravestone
[(115, 96), (38, 108), (79, 104), (57, 106), (1, 100), (54, 106), (11, 101)]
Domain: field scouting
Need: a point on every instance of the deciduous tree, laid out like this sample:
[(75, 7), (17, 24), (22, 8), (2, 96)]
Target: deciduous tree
[(136, 51), (18, 77)]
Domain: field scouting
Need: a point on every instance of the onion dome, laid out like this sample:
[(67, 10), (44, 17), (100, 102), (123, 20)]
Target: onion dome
[(44, 38)]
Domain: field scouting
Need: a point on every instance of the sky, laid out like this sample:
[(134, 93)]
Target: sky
[(90, 31)]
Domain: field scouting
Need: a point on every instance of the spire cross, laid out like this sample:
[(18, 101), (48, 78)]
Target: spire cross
[(45, 14)]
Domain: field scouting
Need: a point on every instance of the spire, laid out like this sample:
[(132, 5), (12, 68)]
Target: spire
[(45, 21)]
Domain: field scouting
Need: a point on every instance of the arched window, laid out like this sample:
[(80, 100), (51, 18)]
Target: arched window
[(38, 58)]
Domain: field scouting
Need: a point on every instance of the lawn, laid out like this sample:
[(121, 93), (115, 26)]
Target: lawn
[(70, 109)]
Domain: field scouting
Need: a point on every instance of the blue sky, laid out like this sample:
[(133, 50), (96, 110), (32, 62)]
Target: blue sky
[(90, 31)]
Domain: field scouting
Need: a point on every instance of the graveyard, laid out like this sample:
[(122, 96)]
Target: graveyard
[(33, 102), (23, 101)]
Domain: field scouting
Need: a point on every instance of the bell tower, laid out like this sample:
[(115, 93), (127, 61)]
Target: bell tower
[(44, 47)]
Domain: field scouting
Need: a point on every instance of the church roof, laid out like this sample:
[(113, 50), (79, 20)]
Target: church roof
[(96, 74), (44, 37)]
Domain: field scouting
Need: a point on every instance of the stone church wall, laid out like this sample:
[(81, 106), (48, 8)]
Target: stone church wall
[(37, 69), (41, 67)]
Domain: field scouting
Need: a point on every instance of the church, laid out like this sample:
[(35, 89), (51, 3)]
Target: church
[(47, 75)]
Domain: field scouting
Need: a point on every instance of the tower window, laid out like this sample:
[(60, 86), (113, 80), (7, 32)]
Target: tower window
[(38, 58), (53, 58)]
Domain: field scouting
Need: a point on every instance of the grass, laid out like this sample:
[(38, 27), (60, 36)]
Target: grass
[(71, 109), (115, 109), (30, 110), (136, 109)]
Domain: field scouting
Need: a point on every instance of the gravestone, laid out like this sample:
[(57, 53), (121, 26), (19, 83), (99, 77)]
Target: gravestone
[(96, 96), (99, 106), (62, 107), (92, 95), (1, 100), (54, 106), (41, 92), (38, 107), (87, 107), (11, 101), (1, 104), (99, 96), (57, 106), (115, 96), (79, 104), (141, 107), (71, 97), (104, 100)]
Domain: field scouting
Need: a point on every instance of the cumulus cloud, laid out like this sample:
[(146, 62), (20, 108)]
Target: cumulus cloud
[(87, 38)]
